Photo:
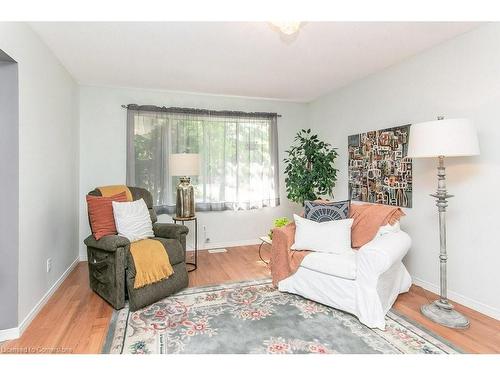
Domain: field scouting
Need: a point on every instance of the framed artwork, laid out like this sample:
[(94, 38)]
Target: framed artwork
[(379, 169)]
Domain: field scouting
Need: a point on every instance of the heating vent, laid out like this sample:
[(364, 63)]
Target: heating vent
[(213, 251)]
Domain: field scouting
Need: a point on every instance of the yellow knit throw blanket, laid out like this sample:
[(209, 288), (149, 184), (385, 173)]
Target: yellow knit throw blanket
[(151, 262), (110, 190)]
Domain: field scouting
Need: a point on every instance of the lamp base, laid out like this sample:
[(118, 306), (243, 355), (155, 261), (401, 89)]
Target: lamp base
[(185, 207), (445, 315)]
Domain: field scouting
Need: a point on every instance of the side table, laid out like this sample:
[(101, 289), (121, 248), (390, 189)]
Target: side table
[(264, 240), (195, 219)]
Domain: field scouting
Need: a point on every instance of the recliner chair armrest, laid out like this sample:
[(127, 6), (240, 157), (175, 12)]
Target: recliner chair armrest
[(170, 230), (107, 243)]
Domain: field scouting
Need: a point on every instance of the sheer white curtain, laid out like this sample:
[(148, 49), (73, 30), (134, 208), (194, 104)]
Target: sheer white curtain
[(238, 152)]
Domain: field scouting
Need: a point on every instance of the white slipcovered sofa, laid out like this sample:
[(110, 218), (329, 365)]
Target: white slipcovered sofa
[(364, 282)]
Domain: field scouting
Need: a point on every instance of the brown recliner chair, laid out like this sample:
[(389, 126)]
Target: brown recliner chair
[(112, 270)]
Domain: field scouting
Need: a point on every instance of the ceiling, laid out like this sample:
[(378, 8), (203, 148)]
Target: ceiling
[(237, 58)]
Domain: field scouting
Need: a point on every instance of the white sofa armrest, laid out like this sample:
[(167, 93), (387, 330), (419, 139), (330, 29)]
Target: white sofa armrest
[(381, 253), (375, 258)]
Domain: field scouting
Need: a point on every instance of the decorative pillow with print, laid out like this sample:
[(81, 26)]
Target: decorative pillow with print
[(321, 211)]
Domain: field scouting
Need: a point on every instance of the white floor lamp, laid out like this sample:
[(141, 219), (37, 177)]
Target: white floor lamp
[(443, 138)]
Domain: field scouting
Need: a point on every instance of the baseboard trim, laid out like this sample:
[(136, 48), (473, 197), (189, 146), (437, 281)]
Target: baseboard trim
[(16, 332), (9, 334), (216, 245), (463, 300), (34, 312)]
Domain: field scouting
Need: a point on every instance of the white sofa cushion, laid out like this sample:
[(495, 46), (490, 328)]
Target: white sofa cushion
[(328, 237), (132, 220), (339, 265), (386, 229)]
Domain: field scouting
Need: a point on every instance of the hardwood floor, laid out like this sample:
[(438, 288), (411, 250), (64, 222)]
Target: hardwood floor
[(483, 335), (75, 320)]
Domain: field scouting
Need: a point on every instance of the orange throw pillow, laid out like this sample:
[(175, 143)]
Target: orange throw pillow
[(102, 221)]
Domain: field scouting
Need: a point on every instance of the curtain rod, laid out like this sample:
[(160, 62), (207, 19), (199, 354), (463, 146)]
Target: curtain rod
[(153, 108)]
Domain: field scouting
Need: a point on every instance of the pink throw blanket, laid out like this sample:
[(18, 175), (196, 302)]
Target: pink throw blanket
[(284, 261), (368, 218)]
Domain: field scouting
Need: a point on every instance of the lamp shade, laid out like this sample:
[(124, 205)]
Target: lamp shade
[(449, 137), (184, 164)]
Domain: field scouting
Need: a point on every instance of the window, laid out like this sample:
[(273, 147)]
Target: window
[(238, 153)]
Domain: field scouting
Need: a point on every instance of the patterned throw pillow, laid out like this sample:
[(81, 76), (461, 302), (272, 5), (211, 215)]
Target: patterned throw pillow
[(321, 211)]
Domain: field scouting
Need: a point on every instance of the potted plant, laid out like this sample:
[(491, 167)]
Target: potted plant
[(278, 223), (309, 167)]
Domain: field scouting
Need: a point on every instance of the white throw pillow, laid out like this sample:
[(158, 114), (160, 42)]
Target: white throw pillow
[(328, 237), (132, 220)]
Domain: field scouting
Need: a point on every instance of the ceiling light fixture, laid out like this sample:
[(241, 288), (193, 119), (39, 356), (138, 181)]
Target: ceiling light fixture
[(287, 28)]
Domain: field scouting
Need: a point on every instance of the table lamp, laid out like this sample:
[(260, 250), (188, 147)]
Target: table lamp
[(184, 165), (443, 138)]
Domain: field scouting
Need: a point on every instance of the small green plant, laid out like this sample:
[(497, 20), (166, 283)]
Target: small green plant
[(309, 168), (281, 222), (278, 223)]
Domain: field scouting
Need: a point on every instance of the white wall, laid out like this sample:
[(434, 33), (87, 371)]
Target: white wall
[(9, 191), (460, 78), (48, 164), (103, 154)]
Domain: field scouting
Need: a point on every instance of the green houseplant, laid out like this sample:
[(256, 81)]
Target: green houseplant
[(309, 167), (278, 223)]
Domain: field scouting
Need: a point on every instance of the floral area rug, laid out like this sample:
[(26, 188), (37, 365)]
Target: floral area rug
[(254, 317)]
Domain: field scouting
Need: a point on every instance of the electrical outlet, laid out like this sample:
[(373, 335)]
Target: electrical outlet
[(49, 265), (205, 236)]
